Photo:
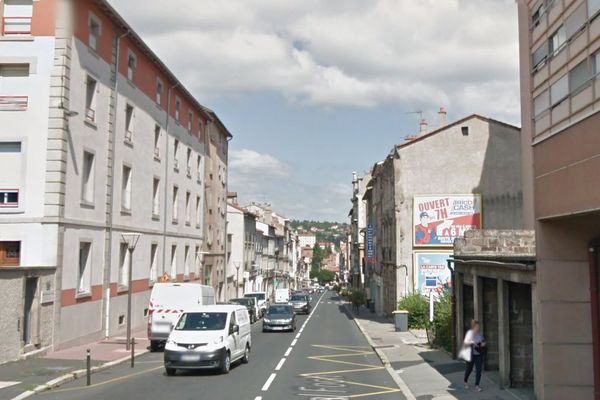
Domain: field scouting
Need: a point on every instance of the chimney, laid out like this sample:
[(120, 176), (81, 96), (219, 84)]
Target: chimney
[(442, 117), (422, 126)]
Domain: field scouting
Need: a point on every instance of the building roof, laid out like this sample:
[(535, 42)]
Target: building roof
[(415, 139), (119, 20)]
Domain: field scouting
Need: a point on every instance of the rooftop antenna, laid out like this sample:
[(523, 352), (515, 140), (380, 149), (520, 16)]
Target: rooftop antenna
[(420, 112)]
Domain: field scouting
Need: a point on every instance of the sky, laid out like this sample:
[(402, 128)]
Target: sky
[(313, 90)]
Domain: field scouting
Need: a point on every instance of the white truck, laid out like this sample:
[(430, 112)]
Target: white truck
[(282, 295), (168, 301), (261, 301)]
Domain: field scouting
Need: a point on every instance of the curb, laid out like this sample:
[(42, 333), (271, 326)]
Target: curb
[(384, 360), (73, 375)]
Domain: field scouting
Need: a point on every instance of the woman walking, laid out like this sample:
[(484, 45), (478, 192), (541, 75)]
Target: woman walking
[(475, 342)]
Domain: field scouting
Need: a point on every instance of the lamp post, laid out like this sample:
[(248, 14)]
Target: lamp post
[(131, 239)]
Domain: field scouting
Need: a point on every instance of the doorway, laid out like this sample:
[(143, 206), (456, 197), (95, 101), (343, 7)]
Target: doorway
[(30, 290), (594, 265)]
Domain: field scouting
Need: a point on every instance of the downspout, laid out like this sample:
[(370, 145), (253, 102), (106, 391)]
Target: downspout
[(166, 186), (226, 223), (453, 327), (109, 204)]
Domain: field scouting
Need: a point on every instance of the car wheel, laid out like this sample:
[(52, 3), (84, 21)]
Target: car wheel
[(226, 364), (154, 345), (170, 371), (246, 358)]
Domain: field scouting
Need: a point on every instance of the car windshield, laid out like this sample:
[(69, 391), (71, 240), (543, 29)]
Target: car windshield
[(244, 302), (259, 296), (202, 321), (279, 310), (298, 297)]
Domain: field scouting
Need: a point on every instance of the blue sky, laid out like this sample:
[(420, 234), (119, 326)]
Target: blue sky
[(315, 89)]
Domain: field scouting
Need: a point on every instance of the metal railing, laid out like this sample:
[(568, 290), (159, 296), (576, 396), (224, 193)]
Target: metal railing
[(14, 102), (16, 25)]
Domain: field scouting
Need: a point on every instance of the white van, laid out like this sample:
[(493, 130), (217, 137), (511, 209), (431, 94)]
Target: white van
[(261, 301), (168, 301), (210, 337), (282, 295)]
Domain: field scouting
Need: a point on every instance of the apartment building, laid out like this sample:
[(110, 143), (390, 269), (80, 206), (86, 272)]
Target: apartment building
[(358, 225), (560, 62), (99, 139)]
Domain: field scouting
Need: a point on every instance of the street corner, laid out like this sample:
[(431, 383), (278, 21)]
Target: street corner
[(345, 372)]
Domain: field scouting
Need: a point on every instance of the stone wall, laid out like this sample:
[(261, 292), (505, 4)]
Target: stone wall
[(521, 340), (511, 243), (490, 322)]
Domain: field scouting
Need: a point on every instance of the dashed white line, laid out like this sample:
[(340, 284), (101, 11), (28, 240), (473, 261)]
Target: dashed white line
[(298, 335), (294, 342), (280, 364), (258, 398), (288, 351), (268, 382)]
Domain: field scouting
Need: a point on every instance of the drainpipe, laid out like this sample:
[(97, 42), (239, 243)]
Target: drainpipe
[(166, 185), (109, 217), (453, 280)]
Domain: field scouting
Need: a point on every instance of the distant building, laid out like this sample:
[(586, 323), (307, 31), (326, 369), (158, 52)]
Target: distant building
[(306, 239)]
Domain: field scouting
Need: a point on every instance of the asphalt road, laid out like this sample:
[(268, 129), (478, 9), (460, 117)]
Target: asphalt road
[(326, 358)]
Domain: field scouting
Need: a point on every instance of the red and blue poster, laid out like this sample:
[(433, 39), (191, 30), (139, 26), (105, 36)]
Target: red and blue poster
[(439, 219)]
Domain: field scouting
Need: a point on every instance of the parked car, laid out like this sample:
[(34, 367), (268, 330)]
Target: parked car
[(300, 303), (210, 337), (279, 317), (261, 301), (168, 301), (282, 295), (250, 304)]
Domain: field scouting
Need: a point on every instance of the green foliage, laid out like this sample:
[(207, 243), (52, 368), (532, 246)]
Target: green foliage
[(418, 310), (357, 297), (442, 322), (322, 275), (317, 258)]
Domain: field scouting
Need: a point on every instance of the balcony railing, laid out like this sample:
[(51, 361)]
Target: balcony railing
[(14, 102), (16, 25)]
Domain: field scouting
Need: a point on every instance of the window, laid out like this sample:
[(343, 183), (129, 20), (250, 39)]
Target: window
[(95, 31), (536, 13), (207, 275), (189, 163), (155, 197), (541, 103), (188, 208), (17, 17), (174, 261), (175, 154), (87, 179), (464, 130), (186, 266), (131, 65), (129, 123), (175, 201), (197, 261), (575, 21), (10, 161), (177, 109), (593, 7), (9, 198), (10, 253), (538, 57), (14, 79), (157, 141), (159, 91), (126, 189), (123, 265), (199, 167), (153, 262), (557, 40), (559, 90), (85, 269), (198, 212), (579, 76), (91, 86), (190, 119)]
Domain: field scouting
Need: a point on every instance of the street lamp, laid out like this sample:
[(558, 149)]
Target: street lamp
[(131, 239)]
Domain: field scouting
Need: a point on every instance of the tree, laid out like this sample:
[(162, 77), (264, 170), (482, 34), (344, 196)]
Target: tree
[(317, 258), (322, 275)]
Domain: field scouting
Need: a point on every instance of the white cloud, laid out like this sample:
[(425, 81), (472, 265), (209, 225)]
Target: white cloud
[(418, 54)]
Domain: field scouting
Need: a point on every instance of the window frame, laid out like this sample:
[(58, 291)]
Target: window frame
[(83, 287), (9, 204), (131, 69), (93, 18), (88, 187), (126, 188)]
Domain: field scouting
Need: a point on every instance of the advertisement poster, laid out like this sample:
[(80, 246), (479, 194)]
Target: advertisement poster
[(370, 245), (429, 265), (439, 219)]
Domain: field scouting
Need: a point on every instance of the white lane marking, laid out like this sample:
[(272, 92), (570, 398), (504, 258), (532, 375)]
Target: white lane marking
[(288, 351), (5, 384), (268, 382), (293, 342), (258, 398), (278, 367), (298, 335)]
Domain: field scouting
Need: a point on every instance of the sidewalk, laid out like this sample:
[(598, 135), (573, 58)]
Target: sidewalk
[(37, 374), (425, 372)]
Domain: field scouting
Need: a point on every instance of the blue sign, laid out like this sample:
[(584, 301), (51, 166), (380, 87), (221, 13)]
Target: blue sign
[(370, 246)]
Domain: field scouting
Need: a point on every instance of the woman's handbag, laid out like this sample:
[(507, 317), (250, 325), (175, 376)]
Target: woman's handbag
[(466, 353)]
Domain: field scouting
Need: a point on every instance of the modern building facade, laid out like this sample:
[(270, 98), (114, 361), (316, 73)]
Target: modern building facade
[(559, 63), (105, 141)]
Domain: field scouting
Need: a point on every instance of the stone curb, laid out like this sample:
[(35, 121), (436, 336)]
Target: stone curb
[(384, 360), (73, 375)]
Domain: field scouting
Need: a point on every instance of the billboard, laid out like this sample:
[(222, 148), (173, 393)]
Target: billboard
[(431, 271), (439, 219)]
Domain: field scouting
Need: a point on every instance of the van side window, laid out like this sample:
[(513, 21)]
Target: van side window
[(242, 317), (232, 322)]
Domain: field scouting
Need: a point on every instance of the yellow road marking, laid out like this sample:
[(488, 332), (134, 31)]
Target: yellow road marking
[(95, 385), (350, 351)]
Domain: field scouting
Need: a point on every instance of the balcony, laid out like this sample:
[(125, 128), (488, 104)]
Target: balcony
[(14, 103), (13, 26)]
